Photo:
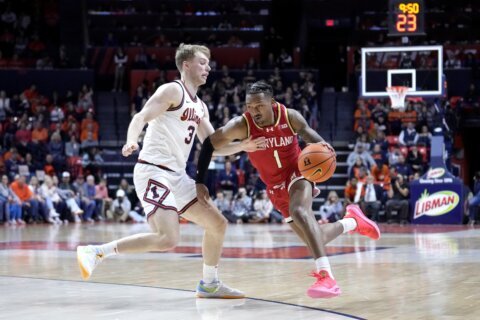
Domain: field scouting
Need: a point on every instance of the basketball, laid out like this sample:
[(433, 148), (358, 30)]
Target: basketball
[(317, 163)]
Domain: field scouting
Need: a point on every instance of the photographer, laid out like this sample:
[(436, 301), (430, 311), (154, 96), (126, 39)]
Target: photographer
[(398, 200)]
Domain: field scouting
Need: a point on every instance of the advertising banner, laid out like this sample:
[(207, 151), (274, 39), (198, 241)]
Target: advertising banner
[(437, 197)]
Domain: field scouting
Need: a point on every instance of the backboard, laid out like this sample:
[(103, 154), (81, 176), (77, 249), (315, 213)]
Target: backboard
[(420, 68)]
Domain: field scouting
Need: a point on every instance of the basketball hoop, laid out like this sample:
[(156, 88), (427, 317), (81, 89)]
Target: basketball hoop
[(397, 96)]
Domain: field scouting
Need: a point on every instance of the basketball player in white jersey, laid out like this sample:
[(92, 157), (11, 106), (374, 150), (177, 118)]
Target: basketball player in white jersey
[(174, 115)]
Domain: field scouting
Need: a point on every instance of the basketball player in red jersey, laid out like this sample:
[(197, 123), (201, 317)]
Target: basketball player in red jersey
[(289, 192)]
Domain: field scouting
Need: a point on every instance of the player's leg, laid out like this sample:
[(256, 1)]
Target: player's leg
[(215, 225), (300, 195), (164, 236)]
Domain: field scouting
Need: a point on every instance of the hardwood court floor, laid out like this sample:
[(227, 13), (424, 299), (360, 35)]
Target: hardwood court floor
[(413, 272)]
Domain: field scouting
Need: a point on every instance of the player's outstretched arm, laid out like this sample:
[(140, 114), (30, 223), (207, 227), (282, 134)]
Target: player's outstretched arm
[(235, 129), (166, 96), (205, 129), (300, 126)]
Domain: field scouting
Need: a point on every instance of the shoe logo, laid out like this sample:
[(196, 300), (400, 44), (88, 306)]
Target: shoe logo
[(100, 255)]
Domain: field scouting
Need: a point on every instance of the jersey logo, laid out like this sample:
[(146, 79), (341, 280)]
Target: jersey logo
[(269, 129), (190, 115), (284, 126), (155, 193)]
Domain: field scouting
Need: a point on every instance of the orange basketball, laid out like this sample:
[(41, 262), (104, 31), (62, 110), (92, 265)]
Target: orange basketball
[(317, 163)]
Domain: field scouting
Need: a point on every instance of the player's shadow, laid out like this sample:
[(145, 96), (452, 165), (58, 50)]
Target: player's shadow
[(216, 309)]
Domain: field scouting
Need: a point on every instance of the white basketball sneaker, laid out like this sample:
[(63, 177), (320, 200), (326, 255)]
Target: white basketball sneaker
[(88, 259), (218, 290)]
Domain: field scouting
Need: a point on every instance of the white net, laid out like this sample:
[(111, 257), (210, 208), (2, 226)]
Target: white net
[(397, 96)]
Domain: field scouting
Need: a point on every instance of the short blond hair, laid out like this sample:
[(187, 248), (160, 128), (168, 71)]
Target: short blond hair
[(186, 52)]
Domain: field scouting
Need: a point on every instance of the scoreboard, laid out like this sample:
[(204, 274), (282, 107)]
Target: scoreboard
[(406, 18)]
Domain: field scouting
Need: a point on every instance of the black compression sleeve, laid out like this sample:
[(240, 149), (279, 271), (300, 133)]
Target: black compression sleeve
[(204, 160)]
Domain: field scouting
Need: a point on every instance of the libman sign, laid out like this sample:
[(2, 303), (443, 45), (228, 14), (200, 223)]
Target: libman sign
[(436, 204)]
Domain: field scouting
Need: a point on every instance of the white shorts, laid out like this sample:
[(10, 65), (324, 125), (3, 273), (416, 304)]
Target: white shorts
[(160, 188)]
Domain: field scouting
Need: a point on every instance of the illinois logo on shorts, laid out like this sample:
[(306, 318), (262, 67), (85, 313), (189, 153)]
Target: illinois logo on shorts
[(156, 193)]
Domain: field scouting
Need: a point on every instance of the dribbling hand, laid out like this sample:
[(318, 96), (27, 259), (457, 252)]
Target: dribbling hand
[(129, 148), (202, 194)]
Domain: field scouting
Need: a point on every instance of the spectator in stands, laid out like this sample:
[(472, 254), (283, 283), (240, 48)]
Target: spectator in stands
[(89, 142), (350, 191), (13, 206), (228, 178), (415, 160), (332, 209), (61, 198), (103, 201), (4, 105), (453, 62), (39, 132), (129, 190), (424, 137), (398, 200), (45, 205), (380, 156), (224, 205), (27, 198), (69, 193), (23, 136), (72, 148), (408, 136), (263, 209), (364, 155), (120, 59), (54, 202), (357, 167), (122, 209), (402, 167), (362, 116), (474, 202), (364, 141), (57, 149), (91, 161), (285, 59), (371, 198), (32, 167), (12, 163), (85, 101), (242, 206), (88, 198)]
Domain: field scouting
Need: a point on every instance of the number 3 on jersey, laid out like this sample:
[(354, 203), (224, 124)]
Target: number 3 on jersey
[(191, 131), (277, 158)]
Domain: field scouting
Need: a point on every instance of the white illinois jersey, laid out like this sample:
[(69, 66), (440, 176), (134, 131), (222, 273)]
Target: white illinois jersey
[(170, 136)]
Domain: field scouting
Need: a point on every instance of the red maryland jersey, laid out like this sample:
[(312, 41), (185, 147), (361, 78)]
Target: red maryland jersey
[(276, 163)]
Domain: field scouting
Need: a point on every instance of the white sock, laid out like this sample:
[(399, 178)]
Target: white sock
[(322, 263), (210, 273), (108, 249), (349, 224)]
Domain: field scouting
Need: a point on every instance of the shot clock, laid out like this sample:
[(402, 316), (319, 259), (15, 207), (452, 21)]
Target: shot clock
[(406, 18)]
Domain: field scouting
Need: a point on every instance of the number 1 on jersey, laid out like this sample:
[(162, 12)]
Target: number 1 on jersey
[(277, 158)]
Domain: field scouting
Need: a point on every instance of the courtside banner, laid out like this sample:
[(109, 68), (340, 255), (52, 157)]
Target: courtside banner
[(433, 201)]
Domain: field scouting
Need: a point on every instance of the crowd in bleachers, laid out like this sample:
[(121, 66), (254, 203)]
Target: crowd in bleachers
[(29, 33), (45, 140), (391, 148)]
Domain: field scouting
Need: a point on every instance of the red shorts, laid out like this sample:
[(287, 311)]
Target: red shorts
[(279, 194)]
